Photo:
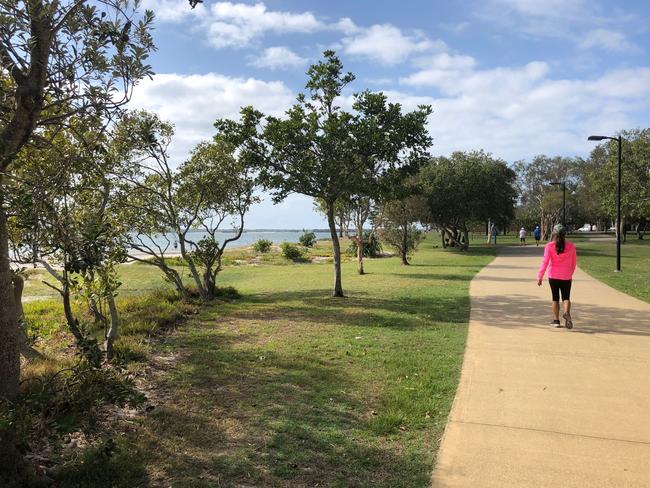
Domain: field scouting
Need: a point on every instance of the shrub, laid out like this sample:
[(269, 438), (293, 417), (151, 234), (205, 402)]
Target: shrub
[(371, 246), (66, 401), (262, 246), (292, 252), (307, 239)]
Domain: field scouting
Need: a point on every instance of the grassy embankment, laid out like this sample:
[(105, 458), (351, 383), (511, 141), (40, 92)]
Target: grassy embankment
[(289, 387)]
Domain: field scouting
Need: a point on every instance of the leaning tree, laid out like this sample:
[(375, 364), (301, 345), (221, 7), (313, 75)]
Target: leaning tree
[(210, 192), (58, 58)]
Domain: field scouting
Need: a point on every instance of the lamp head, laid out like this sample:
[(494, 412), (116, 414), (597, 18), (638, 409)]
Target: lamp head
[(597, 138)]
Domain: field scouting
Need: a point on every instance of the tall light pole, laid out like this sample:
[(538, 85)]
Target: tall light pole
[(563, 183), (619, 139)]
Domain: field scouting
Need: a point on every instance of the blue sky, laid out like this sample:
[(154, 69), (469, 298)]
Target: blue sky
[(514, 77)]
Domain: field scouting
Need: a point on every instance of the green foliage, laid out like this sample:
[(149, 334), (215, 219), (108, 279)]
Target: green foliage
[(602, 175), (403, 238), (262, 246), (468, 187), (228, 293), (327, 153), (292, 252), (215, 185), (371, 245), (67, 401), (307, 239)]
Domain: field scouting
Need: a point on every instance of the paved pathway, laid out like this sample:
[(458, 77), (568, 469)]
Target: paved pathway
[(542, 407)]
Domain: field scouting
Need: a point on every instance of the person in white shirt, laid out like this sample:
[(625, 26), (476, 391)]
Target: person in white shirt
[(522, 237)]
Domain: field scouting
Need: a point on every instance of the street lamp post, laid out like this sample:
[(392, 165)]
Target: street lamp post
[(618, 139), (563, 183)]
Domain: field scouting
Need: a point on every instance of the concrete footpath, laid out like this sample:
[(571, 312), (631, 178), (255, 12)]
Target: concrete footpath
[(543, 407)]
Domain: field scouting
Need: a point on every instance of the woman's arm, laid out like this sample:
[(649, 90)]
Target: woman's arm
[(574, 260), (544, 265)]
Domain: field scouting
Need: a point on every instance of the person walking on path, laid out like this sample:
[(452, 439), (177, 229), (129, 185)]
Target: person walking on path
[(537, 234), (560, 259), (522, 236)]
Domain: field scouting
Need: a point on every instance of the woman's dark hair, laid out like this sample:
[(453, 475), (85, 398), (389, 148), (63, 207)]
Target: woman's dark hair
[(559, 236)]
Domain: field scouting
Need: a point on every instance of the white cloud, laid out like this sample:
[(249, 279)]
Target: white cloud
[(387, 44), (279, 57), (174, 10), (521, 111), (238, 24), (583, 22), (193, 102), (229, 24), (608, 40)]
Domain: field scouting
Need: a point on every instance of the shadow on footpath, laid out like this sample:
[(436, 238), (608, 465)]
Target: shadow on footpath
[(524, 311)]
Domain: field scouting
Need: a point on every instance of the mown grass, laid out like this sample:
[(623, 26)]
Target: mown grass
[(285, 386), (290, 387), (138, 278), (599, 260)]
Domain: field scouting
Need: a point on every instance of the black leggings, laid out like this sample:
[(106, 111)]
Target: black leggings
[(558, 286)]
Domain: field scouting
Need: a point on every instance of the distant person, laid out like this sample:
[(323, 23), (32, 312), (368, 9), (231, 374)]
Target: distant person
[(495, 232), (522, 236), (560, 259), (537, 234)]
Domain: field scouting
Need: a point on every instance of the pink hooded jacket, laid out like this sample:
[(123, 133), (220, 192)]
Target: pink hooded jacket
[(560, 266)]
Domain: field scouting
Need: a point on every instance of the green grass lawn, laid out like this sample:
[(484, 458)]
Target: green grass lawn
[(599, 260), (290, 387)]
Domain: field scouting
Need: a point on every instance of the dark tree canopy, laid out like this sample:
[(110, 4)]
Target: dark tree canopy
[(468, 187)]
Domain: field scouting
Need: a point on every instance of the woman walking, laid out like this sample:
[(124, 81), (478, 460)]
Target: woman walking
[(560, 259)]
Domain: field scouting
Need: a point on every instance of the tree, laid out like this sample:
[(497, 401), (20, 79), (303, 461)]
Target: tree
[(61, 215), (539, 196), (212, 188), (635, 195), (399, 228), (465, 188), (58, 59), (341, 213), (322, 151)]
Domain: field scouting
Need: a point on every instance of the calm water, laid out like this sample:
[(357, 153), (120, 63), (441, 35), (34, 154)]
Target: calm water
[(247, 238)]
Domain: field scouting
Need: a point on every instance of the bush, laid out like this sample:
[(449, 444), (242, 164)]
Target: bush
[(262, 246), (371, 246), (292, 252), (67, 401), (227, 293), (307, 239)]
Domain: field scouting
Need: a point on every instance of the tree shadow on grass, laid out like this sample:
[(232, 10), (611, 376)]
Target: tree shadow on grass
[(359, 309), (270, 419)]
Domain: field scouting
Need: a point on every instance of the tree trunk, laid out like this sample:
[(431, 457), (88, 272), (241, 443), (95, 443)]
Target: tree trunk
[(466, 239), (336, 246), (73, 324), (111, 334), (360, 249), (26, 350), (404, 249), (9, 346), (190, 264)]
